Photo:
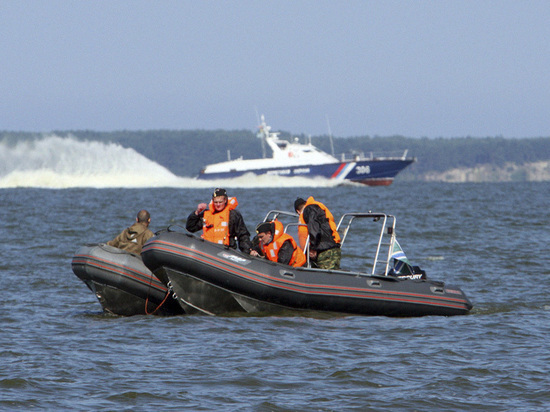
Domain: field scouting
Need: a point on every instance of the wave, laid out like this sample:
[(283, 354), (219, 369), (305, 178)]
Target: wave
[(64, 162)]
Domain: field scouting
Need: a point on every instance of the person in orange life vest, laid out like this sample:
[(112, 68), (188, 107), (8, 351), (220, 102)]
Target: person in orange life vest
[(324, 240), (220, 222), (278, 246)]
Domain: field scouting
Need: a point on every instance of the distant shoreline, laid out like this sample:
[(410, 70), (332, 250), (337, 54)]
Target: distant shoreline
[(511, 172)]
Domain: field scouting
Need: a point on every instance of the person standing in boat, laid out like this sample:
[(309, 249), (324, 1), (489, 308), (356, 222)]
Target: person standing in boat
[(278, 246), (324, 240), (134, 237), (220, 222)]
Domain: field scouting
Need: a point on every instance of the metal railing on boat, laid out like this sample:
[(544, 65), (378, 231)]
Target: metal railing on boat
[(385, 236)]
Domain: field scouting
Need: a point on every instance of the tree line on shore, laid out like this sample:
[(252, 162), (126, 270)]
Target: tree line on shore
[(185, 152)]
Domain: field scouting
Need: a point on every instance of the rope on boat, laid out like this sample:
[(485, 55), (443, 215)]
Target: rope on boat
[(147, 299), (158, 307)]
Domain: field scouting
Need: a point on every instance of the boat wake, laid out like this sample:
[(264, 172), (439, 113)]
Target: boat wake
[(65, 162)]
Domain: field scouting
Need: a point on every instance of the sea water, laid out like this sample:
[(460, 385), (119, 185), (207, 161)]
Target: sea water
[(58, 351)]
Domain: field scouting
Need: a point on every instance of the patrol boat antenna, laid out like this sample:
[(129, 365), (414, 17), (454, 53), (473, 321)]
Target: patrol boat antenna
[(263, 133)]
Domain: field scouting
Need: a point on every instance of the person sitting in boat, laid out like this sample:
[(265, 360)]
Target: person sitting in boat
[(277, 245), (220, 222), (134, 237), (324, 240)]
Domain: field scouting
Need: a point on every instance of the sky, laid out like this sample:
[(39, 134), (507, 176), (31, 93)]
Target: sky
[(352, 68)]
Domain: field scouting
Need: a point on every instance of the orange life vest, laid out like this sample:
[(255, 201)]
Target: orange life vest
[(271, 250), (302, 230), (215, 227)]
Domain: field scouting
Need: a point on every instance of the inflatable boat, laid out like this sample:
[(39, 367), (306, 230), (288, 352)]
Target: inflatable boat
[(122, 283), (214, 279)]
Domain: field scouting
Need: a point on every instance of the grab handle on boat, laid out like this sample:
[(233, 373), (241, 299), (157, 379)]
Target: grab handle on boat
[(437, 289)]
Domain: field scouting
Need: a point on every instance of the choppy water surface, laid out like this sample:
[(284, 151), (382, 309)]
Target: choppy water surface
[(59, 351)]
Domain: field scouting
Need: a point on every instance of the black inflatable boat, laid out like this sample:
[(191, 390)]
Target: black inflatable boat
[(213, 279), (122, 283)]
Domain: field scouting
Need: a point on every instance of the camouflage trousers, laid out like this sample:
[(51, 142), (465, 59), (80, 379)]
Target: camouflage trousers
[(329, 259)]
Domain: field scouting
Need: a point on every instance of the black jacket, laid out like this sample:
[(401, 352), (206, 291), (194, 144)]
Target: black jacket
[(320, 233), (237, 229)]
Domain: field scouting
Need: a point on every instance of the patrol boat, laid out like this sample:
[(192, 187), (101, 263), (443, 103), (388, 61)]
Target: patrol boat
[(213, 279), (295, 159), (121, 282)]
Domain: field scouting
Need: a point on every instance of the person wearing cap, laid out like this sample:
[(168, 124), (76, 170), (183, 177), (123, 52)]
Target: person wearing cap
[(278, 246), (324, 240), (220, 222), (134, 237)]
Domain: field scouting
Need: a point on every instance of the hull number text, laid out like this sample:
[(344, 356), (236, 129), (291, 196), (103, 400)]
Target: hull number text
[(362, 170)]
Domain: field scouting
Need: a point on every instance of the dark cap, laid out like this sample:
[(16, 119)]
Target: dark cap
[(219, 192), (298, 203), (264, 227)]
